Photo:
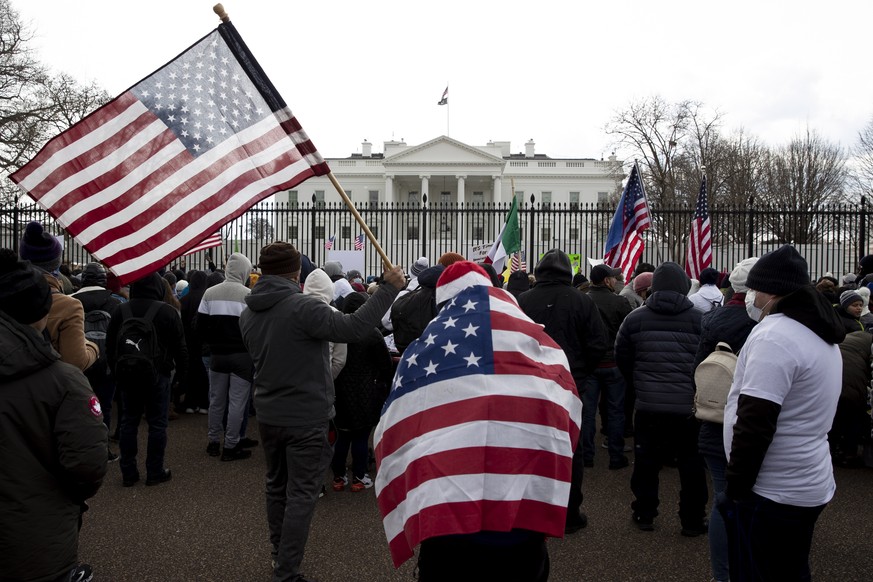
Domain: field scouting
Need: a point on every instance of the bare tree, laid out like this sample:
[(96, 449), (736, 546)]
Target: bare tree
[(862, 161), (35, 104), (260, 229)]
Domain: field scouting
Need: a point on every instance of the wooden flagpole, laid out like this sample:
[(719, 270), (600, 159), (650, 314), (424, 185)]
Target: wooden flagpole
[(219, 10)]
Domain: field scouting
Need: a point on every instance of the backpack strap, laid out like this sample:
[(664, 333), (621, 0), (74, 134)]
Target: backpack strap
[(723, 347), (126, 312), (153, 311)]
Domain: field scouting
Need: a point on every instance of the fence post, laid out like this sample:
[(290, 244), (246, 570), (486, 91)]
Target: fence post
[(312, 229), (424, 225), (531, 260), (862, 231), (751, 252), (15, 226)]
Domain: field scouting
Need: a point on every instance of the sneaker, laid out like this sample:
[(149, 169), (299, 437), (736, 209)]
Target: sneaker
[(247, 443), (202, 411), (605, 444), (644, 523), (696, 530), (619, 464), (213, 449), (322, 492), (190, 411), (111, 457), (130, 481), (573, 525), (360, 484), (235, 454), (161, 477), (339, 483), (82, 573)]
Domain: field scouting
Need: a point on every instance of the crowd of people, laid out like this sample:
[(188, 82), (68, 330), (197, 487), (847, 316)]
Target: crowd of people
[(222, 342)]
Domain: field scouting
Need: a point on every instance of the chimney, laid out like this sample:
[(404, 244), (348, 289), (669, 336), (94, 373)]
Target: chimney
[(529, 149), (366, 149)]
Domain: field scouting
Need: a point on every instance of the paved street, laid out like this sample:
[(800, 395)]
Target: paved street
[(209, 523)]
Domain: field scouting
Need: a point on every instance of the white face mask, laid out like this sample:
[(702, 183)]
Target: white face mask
[(754, 312)]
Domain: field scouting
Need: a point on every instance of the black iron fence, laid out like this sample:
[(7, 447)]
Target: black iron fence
[(832, 238)]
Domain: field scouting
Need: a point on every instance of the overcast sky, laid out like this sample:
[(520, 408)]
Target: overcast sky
[(551, 71)]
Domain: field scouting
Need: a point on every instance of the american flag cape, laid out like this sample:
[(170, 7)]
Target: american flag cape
[(479, 429), (172, 159), (624, 245), (699, 254)]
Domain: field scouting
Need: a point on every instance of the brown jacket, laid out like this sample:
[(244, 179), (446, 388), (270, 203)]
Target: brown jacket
[(66, 328)]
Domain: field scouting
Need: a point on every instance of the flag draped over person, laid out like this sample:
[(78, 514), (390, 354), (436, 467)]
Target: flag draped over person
[(508, 241), (213, 240), (479, 429), (172, 159), (699, 255), (624, 243)]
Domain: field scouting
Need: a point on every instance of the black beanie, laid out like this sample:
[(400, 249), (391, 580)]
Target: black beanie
[(40, 248), (24, 294), (779, 272), (279, 258), (93, 275)]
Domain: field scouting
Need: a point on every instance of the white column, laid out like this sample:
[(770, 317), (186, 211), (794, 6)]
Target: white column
[(498, 189), (424, 191), (462, 195), (389, 188)]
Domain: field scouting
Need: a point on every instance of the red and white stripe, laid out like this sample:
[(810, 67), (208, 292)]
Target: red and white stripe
[(214, 240), (127, 189), (626, 255)]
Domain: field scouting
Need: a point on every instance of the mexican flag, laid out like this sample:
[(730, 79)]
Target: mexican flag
[(508, 241)]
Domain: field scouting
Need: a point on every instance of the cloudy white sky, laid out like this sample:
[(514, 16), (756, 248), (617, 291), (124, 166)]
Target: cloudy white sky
[(553, 71)]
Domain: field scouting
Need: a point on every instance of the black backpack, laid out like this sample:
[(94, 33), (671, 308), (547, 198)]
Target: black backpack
[(138, 352), (410, 314), (96, 324)]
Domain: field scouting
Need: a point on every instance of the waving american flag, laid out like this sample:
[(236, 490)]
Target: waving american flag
[(699, 254), (167, 163), (479, 429), (624, 242)]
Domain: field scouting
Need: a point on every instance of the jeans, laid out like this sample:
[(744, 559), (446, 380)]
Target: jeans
[(611, 382), (297, 459), (358, 441), (227, 393), (155, 404), (768, 540), (516, 556), (658, 436), (718, 542)]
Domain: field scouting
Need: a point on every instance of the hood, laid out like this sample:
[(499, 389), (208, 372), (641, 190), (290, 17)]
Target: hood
[(23, 350), (812, 309), (197, 281), (270, 290), (430, 276), (670, 276), (554, 267), (319, 285), (238, 268), (149, 287)]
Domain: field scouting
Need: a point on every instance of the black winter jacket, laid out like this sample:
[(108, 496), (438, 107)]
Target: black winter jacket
[(362, 385), (732, 325), (570, 318), (613, 309), (657, 343), (53, 454)]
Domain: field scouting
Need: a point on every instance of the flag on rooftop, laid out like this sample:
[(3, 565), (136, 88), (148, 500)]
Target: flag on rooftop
[(213, 240), (359, 242), (479, 429), (699, 254), (508, 241), (624, 243), (172, 159), (445, 97), (328, 244)]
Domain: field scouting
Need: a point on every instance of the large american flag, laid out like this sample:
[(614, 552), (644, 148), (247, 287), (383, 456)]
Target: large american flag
[(172, 159), (700, 240), (479, 429), (213, 240), (624, 243)]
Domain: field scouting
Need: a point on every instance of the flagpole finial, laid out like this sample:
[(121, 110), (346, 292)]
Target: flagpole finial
[(219, 10)]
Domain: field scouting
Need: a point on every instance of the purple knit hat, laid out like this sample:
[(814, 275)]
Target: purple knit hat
[(40, 248)]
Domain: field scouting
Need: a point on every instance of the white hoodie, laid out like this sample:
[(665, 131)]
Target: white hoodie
[(319, 285)]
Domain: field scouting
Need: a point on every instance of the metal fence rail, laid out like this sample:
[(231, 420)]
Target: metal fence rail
[(832, 238)]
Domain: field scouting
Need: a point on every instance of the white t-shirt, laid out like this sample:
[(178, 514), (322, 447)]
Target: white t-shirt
[(784, 362)]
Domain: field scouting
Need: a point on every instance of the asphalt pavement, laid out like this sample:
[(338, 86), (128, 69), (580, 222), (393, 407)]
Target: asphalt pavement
[(209, 523)]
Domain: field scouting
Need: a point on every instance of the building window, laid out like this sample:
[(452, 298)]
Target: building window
[(346, 232), (412, 232), (603, 197), (374, 230), (413, 197), (520, 195), (546, 199), (374, 198), (478, 232), (348, 193), (574, 232), (319, 198), (547, 235), (292, 198), (478, 198), (574, 201), (319, 232), (292, 232)]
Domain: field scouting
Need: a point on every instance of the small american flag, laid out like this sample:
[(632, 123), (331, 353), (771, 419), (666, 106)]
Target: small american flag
[(181, 153), (624, 245), (213, 240), (479, 429), (517, 263), (700, 240), (328, 244), (359, 242)]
